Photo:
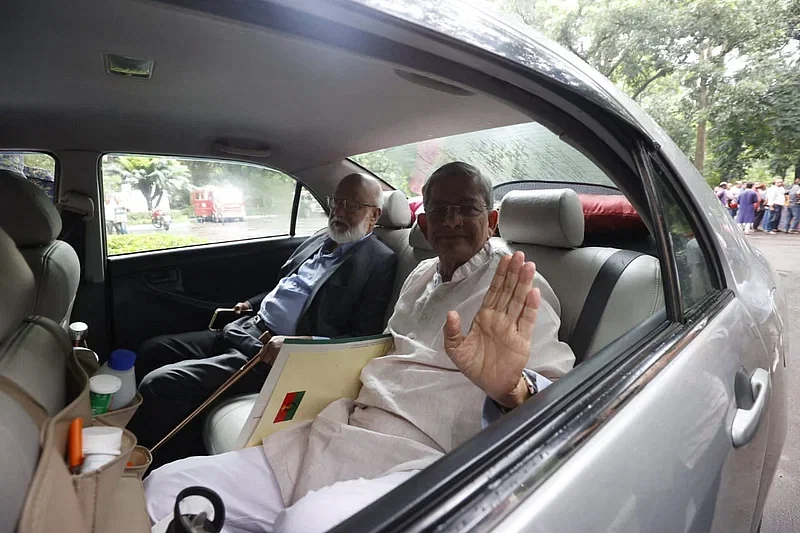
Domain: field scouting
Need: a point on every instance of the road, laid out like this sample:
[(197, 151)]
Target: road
[(782, 512)]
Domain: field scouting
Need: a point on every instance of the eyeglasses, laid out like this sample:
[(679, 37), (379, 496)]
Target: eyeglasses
[(349, 205), (442, 211)]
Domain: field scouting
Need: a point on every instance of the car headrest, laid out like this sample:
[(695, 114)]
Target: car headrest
[(416, 239), (27, 215), (395, 212), (545, 217), (17, 287)]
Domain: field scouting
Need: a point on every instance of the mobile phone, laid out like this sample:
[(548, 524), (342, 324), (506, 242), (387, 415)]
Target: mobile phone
[(223, 316)]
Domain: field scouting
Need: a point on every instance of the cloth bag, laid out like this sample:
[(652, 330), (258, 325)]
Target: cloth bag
[(101, 501)]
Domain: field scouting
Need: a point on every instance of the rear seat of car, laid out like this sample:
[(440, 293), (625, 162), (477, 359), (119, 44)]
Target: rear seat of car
[(548, 226), (226, 419)]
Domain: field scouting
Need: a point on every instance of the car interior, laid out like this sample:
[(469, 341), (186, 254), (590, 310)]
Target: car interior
[(296, 97)]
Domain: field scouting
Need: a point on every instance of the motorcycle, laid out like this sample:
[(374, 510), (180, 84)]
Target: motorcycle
[(161, 219)]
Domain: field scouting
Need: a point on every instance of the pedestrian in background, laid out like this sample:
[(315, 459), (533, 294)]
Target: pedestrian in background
[(793, 208), (762, 196), (120, 216), (110, 213), (722, 194), (749, 201), (733, 198), (776, 197)]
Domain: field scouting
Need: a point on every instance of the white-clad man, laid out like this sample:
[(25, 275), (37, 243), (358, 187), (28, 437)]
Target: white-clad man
[(733, 198), (776, 198), (465, 341)]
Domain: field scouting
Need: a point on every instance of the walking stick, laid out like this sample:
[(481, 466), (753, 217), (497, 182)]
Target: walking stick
[(247, 367)]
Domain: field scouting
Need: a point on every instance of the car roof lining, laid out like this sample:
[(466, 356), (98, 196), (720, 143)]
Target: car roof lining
[(313, 104), (320, 119)]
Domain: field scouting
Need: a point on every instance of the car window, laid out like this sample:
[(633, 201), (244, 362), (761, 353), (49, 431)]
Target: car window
[(311, 217), (160, 202), (521, 152), (694, 269), (39, 168)]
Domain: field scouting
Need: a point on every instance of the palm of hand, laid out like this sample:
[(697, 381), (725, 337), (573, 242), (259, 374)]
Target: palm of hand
[(494, 352)]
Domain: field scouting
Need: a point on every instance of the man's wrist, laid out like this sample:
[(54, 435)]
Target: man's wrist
[(524, 389)]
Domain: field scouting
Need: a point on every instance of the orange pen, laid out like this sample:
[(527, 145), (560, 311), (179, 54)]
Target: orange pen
[(75, 445)]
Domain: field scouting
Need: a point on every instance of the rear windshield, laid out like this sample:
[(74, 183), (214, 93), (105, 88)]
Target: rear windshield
[(522, 152)]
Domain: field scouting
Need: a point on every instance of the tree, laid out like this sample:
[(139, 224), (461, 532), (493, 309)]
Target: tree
[(152, 176), (759, 119), (11, 161), (678, 58)]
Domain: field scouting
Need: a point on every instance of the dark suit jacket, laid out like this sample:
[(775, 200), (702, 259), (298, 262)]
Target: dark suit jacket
[(352, 301)]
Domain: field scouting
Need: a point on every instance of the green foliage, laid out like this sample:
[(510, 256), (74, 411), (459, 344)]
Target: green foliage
[(130, 243), (731, 62), (152, 176), (388, 169), (41, 161)]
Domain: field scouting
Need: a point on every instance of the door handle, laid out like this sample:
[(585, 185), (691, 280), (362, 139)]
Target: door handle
[(746, 421)]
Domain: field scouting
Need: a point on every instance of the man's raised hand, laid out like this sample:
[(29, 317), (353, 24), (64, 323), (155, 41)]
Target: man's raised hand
[(494, 352)]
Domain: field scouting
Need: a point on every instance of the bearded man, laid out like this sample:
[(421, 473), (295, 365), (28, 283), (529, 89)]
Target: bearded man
[(336, 284)]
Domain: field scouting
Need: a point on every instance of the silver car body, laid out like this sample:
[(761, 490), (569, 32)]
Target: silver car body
[(661, 459), (646, 446)]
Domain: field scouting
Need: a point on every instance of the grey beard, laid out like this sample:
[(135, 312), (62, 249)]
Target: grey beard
[(352, 234)]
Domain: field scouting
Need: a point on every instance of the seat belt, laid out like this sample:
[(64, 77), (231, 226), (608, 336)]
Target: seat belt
[(599, 293)]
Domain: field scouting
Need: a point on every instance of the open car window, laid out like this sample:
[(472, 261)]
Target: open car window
[(161, 202)]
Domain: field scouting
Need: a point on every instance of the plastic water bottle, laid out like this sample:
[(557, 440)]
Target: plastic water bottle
[(120, 364)]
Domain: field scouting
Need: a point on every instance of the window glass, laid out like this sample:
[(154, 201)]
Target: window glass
[(311, 217), (511, 153), (37, 167), (158, 202), (694, 270)]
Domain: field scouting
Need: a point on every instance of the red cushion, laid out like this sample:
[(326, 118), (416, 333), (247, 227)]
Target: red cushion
[(414, 204), (609, 214)]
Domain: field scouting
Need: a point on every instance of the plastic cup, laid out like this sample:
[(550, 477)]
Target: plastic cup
[(101, 389), (95, 461), (102, 440), (139, 461)]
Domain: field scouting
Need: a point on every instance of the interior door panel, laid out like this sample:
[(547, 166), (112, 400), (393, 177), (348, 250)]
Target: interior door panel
[(173, 291)]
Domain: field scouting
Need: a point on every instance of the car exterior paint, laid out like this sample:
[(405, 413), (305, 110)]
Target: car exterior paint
[(681, 474)]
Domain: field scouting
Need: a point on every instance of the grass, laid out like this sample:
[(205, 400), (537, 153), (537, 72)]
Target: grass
[(126, 244)]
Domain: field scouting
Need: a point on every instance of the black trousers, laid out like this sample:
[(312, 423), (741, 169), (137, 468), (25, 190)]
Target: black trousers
[(177, 373)]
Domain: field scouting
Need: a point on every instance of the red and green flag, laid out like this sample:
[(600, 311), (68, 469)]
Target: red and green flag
[(289, 406)]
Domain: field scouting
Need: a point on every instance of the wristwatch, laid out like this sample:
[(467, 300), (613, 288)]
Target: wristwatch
[(532, 389)]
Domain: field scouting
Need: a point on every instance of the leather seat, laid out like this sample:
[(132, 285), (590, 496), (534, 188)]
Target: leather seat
[(29, 217), (226, 419), (394, 233), (547, 225), (33, 354)]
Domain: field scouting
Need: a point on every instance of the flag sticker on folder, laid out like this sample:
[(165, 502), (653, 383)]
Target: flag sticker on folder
[(289, 406)]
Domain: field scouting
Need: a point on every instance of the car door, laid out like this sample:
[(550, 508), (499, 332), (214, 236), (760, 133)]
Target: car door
[(664, 430), (169, 278), (686, 452)]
